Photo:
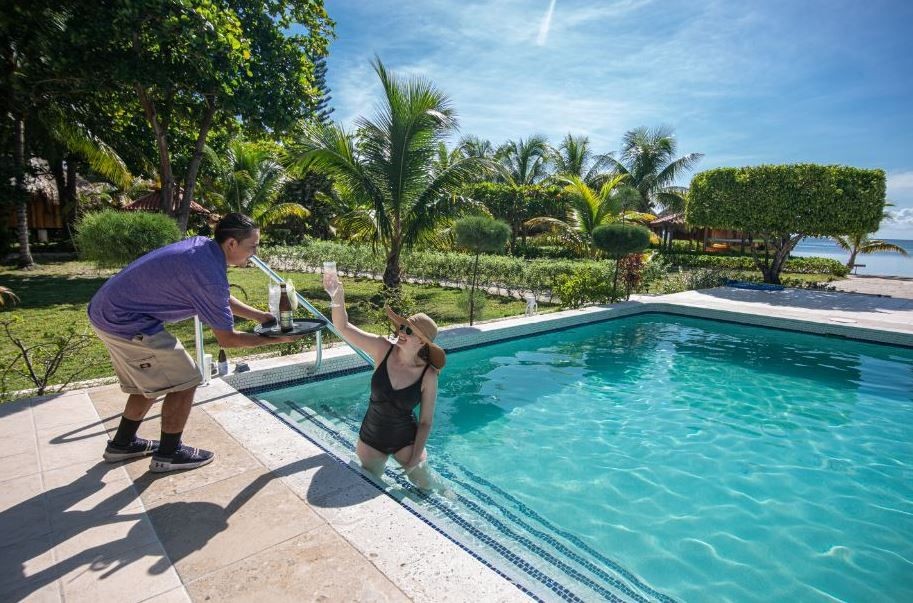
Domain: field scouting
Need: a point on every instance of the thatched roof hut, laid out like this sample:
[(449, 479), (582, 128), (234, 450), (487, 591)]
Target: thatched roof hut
[(152, 202)]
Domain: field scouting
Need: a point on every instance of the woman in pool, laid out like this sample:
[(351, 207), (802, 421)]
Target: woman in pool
[(406, 376)]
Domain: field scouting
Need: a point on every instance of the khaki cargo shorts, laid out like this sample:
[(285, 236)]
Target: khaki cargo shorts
[(151, 365)]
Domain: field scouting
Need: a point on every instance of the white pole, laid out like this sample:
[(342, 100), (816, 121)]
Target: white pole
[(198, 344)]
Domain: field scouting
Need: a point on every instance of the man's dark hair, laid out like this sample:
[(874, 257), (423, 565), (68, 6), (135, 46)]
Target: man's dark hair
[(235, 226)]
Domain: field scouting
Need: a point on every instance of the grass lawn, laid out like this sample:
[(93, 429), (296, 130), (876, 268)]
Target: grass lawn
[(54, 297)]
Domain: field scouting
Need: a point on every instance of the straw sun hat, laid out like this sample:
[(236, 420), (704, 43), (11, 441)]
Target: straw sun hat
[(426, 330)]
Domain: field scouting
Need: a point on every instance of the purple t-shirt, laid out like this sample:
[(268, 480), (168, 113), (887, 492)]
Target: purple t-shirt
[(169, 284)]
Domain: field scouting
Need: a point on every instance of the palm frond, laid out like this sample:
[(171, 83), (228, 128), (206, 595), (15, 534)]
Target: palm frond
[(282, 211), (100, 156)]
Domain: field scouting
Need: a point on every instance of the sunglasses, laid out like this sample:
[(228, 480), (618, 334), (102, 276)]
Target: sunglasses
[(404, 328)]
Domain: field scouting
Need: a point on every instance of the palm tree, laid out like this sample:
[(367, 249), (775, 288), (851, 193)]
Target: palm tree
[(6, 292), (861, 243), (250, 180), (591, 208), (524, 162), (647, 156), (575, 157), (386, 173), (473, 146)]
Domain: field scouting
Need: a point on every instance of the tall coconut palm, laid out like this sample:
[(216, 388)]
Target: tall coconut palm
[(647, 157), (250, 178), (386, 174), (590, 208), (575, 157), (861, 243), (524, 162), (473, 146)]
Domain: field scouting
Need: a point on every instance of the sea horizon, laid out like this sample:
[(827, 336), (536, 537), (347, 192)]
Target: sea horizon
[(875, 264)]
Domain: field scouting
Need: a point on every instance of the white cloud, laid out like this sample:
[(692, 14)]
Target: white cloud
[(901, 217), (900, 186), (545, 25)]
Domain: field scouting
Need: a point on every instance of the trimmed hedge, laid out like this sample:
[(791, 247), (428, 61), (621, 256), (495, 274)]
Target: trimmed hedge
[(802, 198), (515, 275), (810, 265), (618, 240)]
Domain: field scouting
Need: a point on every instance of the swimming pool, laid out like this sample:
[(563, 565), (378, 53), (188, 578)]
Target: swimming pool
[(659, 457)]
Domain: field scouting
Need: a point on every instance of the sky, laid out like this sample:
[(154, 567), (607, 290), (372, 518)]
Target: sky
[(744, 82)]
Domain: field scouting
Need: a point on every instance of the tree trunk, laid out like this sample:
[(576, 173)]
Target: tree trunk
[(852, 260), (22, 202), (472, 291), (191, 180), (166, 201), (71, 204), (783, 245), (64, 172), (392, 276)]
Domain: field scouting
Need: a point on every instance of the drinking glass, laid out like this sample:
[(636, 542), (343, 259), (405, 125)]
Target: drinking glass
[(329, 270)]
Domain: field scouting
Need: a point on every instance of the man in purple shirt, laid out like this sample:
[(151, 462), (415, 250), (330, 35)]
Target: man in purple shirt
[(129, 312)]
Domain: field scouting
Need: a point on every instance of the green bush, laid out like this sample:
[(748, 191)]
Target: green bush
[(532, 251), (112, 239), (795, 265), (618, 240), (480, 234), (704, 278), (801, 198), (588, 284), (515, 275)]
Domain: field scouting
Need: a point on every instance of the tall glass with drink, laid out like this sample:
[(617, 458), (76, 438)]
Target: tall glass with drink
[(330, 278)]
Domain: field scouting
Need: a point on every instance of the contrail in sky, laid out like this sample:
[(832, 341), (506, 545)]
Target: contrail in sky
[(546, 24)]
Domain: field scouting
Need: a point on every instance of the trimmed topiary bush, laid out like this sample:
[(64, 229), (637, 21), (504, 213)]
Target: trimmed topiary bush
[(782, 204), (479, 234), (620, 239), (113, 239)]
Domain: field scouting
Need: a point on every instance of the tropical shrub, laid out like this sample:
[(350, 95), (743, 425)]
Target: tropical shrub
[(810, 265), (782, 204), (630, 269), (686, 280), (618, 240), (112, 239), (514, 275), (587, 283)]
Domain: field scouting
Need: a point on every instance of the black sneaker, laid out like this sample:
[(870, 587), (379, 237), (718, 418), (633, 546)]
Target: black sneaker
[(138, 447), (185, 457)]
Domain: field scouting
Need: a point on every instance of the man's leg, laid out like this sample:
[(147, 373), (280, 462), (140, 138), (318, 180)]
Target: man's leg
[(125, 444), (172, 454), (137, 407)]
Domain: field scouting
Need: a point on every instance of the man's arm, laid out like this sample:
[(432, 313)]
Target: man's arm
[(239, 308), (237, 339)]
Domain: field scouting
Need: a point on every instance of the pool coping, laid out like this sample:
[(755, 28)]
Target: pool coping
[(864, 318)]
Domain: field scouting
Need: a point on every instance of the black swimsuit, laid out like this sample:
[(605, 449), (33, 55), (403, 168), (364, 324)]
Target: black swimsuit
[(389, 425)]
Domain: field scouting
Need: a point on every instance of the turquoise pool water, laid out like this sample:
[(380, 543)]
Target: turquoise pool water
[(660, 457)]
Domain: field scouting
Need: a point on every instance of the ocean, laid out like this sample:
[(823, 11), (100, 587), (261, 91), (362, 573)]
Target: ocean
[(876, 264)]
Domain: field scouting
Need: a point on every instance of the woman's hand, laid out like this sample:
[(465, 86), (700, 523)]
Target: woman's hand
[(333, 286), (412, 464)]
